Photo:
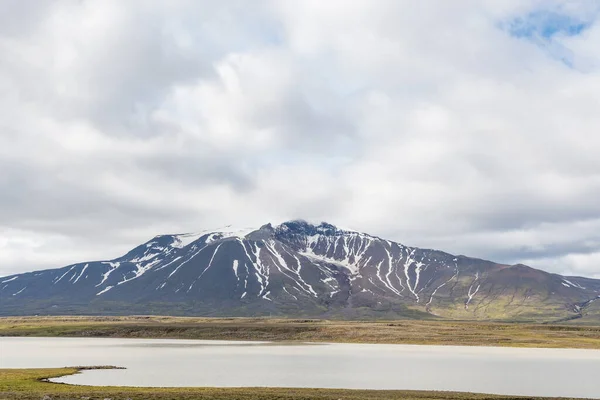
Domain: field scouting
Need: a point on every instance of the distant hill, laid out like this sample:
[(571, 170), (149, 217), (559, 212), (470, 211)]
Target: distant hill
[(299, 269)]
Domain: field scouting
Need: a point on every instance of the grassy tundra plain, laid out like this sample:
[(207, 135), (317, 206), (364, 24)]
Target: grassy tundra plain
[(30, 384), (308, 330)]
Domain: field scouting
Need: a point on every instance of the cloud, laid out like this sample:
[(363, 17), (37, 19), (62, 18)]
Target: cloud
[(453, 126)]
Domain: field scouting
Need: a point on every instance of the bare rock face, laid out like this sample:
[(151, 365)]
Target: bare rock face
[(298, 269)]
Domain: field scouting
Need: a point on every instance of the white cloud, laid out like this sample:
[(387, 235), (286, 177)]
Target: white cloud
[(424, 122)]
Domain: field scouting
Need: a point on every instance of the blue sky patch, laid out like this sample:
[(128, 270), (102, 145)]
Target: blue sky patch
[(545, 24), (545, 28)]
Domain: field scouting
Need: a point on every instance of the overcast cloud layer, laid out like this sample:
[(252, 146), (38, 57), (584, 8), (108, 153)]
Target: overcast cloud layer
[(467, 126)]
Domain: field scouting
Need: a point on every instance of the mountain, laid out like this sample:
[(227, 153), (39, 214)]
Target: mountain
[(299, 269)]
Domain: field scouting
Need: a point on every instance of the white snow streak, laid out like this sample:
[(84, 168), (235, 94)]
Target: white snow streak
[(10, 280), (418, 266), (395, 269), (407, 264), (169, 263), (313, 241), (262, 274), (474, 293), (442, 285), (259, 277), (245, 281), (145, 257), (63, 275), (14, 294), (328, 279), (141, 269), (114, 264), (107, 273), (309, 287), (387, 276), (285, 289), (207, 267), (271, 248), (260, 271), (569, 283), (235, 269), (106, 289), (73, 276), (82, 271), (185, 262)]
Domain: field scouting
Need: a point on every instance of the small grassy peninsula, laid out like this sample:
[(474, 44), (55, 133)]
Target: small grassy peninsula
[(32, 384)]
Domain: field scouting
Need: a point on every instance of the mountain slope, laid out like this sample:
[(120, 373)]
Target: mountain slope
[(297, 269)]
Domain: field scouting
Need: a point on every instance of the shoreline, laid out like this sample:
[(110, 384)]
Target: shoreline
[(34, 384), (245, 342)]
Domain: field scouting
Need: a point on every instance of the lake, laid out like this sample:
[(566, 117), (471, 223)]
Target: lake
[(156, 362)]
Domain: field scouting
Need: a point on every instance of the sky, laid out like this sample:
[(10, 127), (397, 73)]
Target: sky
[(468, 126)]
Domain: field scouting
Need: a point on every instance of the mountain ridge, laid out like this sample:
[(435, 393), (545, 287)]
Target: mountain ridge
[(298, 269)]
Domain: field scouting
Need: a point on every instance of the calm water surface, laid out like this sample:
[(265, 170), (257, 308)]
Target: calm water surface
[(532, 372)]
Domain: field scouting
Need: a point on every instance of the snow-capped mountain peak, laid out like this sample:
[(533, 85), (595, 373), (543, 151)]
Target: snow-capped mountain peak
[(296, 268)]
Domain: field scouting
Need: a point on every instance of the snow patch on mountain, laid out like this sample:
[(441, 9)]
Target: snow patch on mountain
[(184, 239)]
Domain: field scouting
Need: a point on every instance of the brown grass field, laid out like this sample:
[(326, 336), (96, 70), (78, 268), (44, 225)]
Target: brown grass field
[(308, 330)]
